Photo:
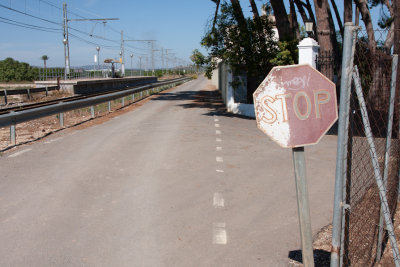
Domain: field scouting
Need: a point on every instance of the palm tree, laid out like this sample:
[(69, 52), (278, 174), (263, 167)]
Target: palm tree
[(45, 58)]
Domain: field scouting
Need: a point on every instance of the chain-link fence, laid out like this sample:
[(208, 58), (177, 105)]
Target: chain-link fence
[(373, 153)]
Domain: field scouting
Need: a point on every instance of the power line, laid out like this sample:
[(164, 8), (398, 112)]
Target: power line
[(28, 26), (92, 35), (130, 48), (50, 4), (93, 43), (29, 15)]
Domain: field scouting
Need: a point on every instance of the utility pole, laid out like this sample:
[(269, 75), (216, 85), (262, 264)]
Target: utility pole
[(166, 59), (131, 63), (396, 43), (152, 50), (140, 65), (66, 42), (396, 21), (173, 59), (152, 57), (122, 59), (162, 59), (98, 56)]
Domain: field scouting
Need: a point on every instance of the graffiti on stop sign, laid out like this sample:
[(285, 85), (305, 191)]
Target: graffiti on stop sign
[(295, 105)]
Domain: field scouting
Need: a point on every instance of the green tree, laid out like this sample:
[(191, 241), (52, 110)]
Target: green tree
[(198, 58), (13, 70), (249, 46), (44, 58)]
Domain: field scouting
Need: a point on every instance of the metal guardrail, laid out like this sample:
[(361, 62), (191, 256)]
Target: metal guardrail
[(27, 91), (14, 117)]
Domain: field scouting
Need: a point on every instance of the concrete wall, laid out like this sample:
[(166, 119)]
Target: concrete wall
[(229, 94), (97, 85)]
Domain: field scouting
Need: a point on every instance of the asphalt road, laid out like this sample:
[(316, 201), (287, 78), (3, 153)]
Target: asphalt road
[(175, 182)]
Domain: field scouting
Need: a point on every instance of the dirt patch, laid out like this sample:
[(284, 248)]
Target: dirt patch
[(19, 100), (322, 247)]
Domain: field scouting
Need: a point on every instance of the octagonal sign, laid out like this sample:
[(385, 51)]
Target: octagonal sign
[(295, 105)]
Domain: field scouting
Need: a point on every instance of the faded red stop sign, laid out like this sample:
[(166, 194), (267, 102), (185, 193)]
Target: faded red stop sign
[(295, 105)]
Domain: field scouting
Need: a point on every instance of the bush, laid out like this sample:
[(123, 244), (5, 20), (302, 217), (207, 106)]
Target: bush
[(13, 70)]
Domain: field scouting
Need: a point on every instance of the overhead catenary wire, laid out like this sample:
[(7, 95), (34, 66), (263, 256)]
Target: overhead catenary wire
[(55, 30), (29, 26), (30, 15), (79, 34)]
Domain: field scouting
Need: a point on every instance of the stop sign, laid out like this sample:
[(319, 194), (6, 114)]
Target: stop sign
[(295, 105)]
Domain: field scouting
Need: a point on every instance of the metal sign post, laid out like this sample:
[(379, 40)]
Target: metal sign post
[(295, 106), (303, 205)]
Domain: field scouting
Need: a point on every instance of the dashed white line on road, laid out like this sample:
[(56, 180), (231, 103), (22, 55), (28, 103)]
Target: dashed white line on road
[(53, 140), (218, 139), (218, 148), (216, 125), (16, 154), (220, 170), (219, 234), (218, 200), (219, 159), (218, 132)]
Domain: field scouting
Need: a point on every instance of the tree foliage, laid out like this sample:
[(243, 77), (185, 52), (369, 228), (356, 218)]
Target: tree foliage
[(198, 58), (249, 49), (13, 70), (44, 58)]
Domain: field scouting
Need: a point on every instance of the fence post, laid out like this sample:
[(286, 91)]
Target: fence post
[(13, 139), (61, 118), (343, 126), (123, 101), (109, 106), (92, 111), (387, 149), (5, 96), (308, 51), (28, 92), (47, 91)]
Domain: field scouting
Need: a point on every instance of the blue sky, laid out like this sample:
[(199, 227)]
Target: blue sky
[(175, 24)]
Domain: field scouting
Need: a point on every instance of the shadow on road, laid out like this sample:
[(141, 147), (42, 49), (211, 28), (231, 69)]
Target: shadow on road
[(322, 258), (210, 100)]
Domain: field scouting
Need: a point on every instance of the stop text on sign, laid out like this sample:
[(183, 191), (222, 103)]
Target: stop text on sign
[(303, 105), (295, 105)]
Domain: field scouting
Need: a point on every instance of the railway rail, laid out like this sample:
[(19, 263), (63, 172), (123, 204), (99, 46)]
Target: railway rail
[(71, 98), (15, 115)]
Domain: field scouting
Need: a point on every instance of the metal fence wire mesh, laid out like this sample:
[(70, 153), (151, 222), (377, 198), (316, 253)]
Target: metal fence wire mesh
[(360, 233)]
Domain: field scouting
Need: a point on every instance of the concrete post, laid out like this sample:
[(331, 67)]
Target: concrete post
[(308, 51)]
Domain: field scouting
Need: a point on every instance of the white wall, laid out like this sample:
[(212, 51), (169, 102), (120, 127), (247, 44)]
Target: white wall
[(223, 79)]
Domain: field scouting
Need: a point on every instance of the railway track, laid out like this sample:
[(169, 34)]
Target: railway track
[(67, 99)]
